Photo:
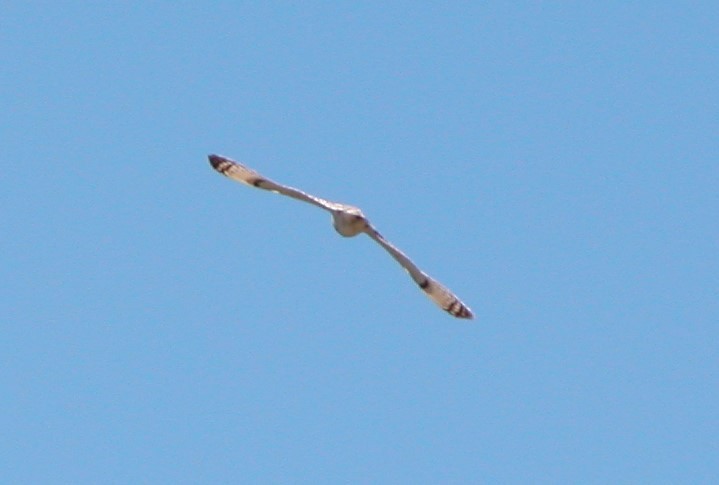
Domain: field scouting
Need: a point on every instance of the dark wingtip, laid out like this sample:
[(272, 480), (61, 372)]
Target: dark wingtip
[(465, 313), (215, 160), (460, 310)]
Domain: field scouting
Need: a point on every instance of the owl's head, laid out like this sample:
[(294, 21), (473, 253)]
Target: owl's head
[(349, 223)]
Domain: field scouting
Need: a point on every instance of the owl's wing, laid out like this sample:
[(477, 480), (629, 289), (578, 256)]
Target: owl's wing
[(437, 292), (240, 173)]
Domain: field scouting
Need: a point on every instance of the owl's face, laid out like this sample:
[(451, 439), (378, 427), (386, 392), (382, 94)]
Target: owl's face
[(349, 223)]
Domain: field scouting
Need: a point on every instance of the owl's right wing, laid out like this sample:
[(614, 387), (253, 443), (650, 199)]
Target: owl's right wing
[(240, 173)]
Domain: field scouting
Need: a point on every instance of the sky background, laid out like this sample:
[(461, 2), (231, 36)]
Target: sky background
[(554, 163)]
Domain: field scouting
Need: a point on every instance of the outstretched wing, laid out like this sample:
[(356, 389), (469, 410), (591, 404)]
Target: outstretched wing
[(240, 173), (440, 294)]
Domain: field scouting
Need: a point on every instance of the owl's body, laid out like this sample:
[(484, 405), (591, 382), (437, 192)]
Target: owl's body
[(349, 221)]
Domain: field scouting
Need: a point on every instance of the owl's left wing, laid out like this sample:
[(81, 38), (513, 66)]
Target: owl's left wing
[(435, 290)]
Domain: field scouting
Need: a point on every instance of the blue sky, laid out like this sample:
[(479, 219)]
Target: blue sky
[(555, 164)]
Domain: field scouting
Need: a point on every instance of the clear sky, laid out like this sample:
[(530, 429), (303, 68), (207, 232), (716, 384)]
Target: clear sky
[(554, 163)]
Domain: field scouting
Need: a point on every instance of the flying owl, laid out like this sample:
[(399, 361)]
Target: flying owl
[(348, 221)]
